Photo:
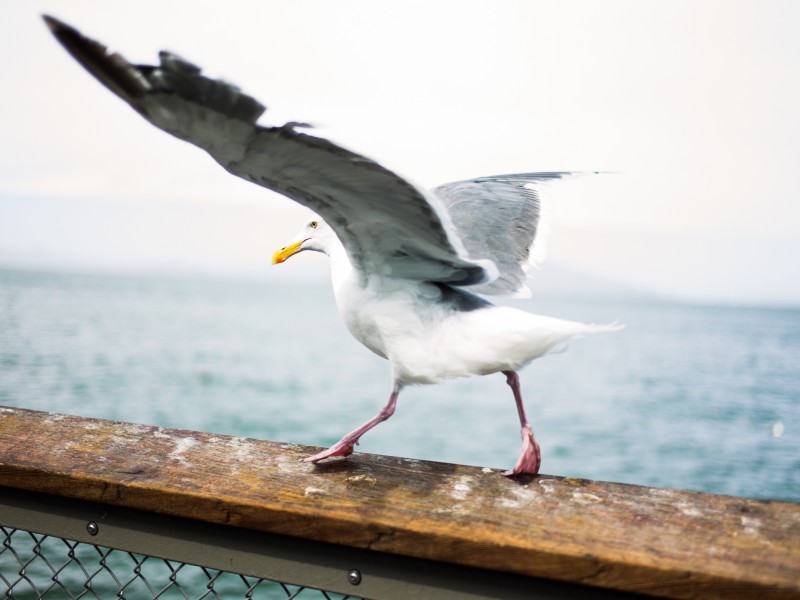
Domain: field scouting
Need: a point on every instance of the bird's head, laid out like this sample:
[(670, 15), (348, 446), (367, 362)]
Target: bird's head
[(315, 235)]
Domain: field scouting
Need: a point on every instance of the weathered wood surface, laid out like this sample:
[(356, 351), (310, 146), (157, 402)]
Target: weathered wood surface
[(655, 541)]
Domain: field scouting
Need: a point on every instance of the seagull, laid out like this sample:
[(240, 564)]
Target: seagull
[(409, 266)]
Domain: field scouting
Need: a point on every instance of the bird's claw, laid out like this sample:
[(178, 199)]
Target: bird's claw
[(340, 448), (530, 459)]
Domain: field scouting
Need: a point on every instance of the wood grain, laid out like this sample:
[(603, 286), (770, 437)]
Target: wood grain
[(662, 542)]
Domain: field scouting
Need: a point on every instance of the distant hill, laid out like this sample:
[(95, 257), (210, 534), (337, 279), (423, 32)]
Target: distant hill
[(557, 279)]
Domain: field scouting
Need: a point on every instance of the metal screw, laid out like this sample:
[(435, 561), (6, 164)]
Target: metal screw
[(93, 528), (354, 576)]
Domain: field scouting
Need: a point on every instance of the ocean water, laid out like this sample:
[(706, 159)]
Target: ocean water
[(694, 397)]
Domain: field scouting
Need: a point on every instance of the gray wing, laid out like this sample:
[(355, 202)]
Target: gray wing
[(498, 218), (388, 225)]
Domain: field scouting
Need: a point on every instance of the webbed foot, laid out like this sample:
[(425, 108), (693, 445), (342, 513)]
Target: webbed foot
[(530, 459), (340, 448)]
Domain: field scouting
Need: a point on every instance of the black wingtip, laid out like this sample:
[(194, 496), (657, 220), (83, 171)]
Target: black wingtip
[(53, 23), (111, 70), (58, 28)]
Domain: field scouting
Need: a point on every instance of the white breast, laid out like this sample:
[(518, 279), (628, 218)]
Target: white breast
[(428, 340)]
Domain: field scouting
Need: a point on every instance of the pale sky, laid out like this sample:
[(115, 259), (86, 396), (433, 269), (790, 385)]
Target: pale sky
[(692, 105)]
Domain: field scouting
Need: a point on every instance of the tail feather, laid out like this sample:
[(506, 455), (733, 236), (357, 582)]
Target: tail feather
[(583, 329), (604, 328)]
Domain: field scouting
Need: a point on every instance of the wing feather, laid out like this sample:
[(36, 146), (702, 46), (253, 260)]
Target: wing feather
[(500, 218), (389, 226)]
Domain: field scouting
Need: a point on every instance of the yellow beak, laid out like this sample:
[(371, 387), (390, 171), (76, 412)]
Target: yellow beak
[(284, 253)]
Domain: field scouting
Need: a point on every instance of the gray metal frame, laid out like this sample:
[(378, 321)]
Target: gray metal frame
[(286, 559)]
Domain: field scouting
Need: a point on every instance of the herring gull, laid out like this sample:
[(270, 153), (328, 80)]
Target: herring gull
[(407, 264)]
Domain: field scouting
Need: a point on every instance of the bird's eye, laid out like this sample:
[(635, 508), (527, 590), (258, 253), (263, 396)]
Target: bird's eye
[(313, 224)]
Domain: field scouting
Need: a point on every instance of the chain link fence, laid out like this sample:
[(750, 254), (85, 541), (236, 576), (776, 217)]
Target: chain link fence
[(34, 565)]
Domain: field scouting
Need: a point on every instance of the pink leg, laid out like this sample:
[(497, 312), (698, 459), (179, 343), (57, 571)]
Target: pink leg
[(344, 447), (531, 459)]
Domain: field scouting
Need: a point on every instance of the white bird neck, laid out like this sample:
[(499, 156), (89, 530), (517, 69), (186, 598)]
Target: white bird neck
[(341, 268)]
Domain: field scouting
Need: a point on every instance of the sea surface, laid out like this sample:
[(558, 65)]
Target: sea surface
[(693, 397)]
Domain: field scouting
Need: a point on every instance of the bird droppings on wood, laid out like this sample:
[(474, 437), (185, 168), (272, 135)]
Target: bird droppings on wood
[(582, 498), (508, 503), (690, 510), (54, 417), (750, 525), (242, 448), (547, 485), (460, 488), (183, 445), (361, 479)]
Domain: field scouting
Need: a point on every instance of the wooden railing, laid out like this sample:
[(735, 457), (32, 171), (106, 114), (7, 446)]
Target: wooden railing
[(660, 542)]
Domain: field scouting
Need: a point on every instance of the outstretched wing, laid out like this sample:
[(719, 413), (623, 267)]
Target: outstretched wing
[(388, 225), (500, 218)]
